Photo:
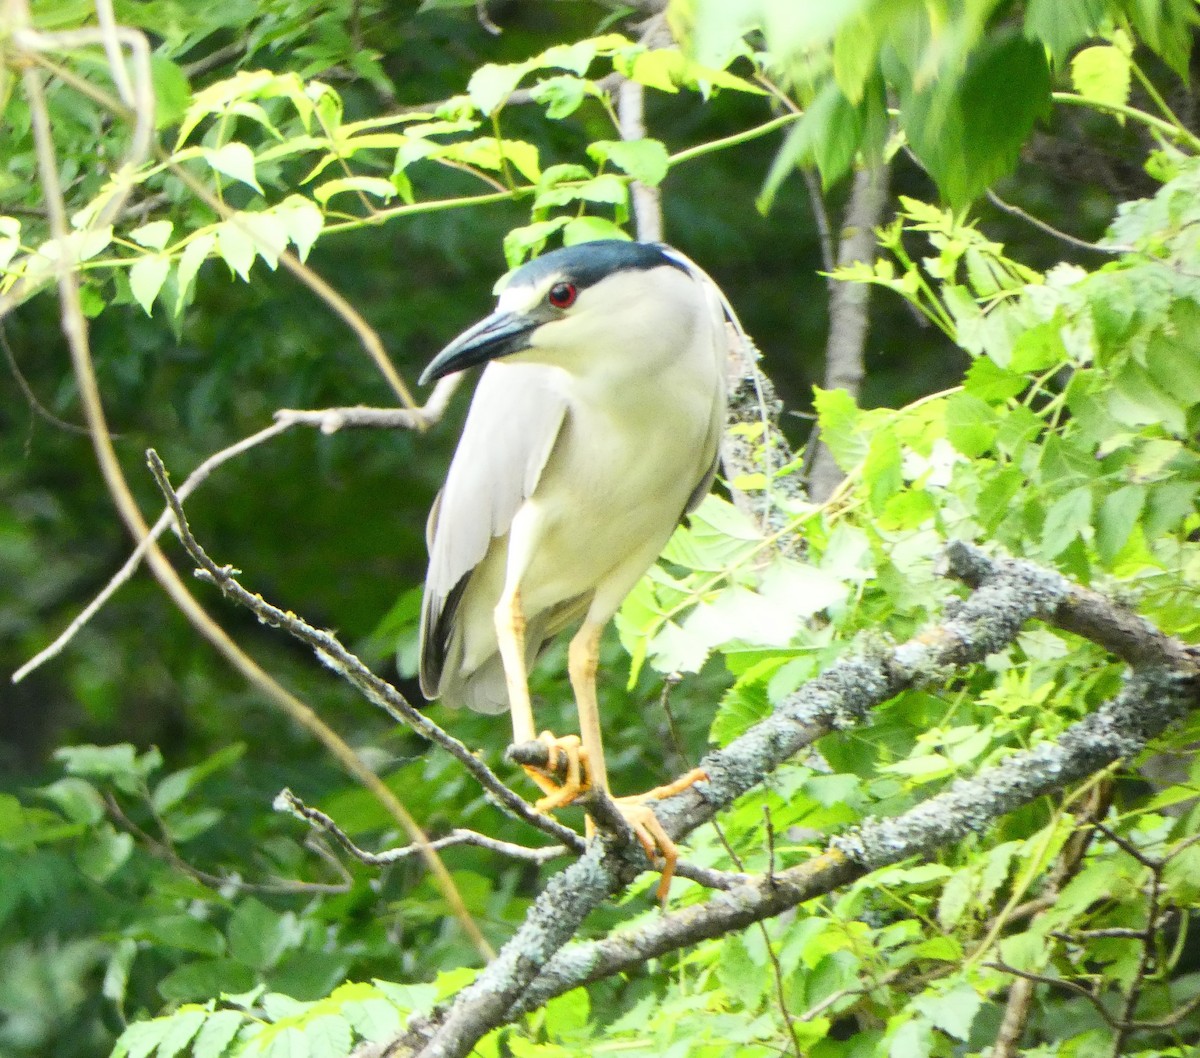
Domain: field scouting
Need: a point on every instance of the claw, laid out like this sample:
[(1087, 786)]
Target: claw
[(649, 831), (652, 837), (577, 780)]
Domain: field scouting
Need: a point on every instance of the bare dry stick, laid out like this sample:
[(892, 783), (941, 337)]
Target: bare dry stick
[(327, 420), (336, 657), (75, 330)]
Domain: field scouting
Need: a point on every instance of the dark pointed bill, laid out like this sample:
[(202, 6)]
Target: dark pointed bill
[(501, 334)]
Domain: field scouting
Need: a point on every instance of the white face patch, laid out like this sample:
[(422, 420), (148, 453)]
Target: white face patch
[(522, 298)]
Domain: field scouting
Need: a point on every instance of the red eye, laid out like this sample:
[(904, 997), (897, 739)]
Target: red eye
[(562, 295)]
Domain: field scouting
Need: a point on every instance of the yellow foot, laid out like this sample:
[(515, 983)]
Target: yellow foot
[(653, 838), (649, 831), (660, 793), (568, 750)]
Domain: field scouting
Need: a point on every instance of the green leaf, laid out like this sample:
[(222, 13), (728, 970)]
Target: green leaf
[(235, 160), (1102, 74), (195, 253), (529, 240), (185, 933), (257, 935), (1066, 519), (1062, 24), (590, 229), (373, 1019), (970, 424), (645, 160), (204, 979), (105, 853), (153, 236), (146, 278), (827, 136), (991, 383), (77, 799), (328, 1036), (376, 186), (1118, 514), (268, 234), (288, 1042), (10, 240), (740, 708), (118, 764), (115, 987), (140, 1038), (235, 247), (217, 1033), (914, 1039), (184, 1025), (561, 96), (952, 1011), (492, 84), (171, 91), (1135, 400), (840, 419), (302, 221), (881, 469), (968, 132)]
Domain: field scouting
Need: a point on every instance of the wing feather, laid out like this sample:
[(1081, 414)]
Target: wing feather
[(515, 418)]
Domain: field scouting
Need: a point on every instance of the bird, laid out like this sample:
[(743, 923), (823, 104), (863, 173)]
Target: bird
[(595, 427)]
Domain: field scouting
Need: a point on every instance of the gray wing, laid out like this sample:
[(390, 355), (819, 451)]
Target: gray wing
[(514, 420)]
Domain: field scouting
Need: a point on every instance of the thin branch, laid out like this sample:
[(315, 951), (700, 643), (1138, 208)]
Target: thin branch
[(75, 330), (166, 852), (812, 183), (336, 657), (327, 420), (1058, 982), (30, 397), (286, 801), (1048, 229)]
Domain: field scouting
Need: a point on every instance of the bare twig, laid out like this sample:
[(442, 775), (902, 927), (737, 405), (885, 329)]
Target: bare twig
[(1062, 236), (165, 851), (75, 330), (336, 657), (327, 420), (27, 391), (288, 802)]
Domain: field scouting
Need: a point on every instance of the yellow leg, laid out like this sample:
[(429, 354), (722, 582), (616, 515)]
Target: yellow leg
[(583, 659), (510, 639)]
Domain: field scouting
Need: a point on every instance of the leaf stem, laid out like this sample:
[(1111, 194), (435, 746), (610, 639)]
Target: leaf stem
[(1175, 132)]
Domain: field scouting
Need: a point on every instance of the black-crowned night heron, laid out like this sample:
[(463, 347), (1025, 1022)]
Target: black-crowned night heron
[(593, 430)]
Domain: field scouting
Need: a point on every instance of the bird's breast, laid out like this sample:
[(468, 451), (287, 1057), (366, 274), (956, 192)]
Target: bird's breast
[(614, 487)]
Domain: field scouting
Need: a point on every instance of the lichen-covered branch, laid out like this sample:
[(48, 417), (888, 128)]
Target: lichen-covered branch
[(1119, 729), (1009, 595)]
